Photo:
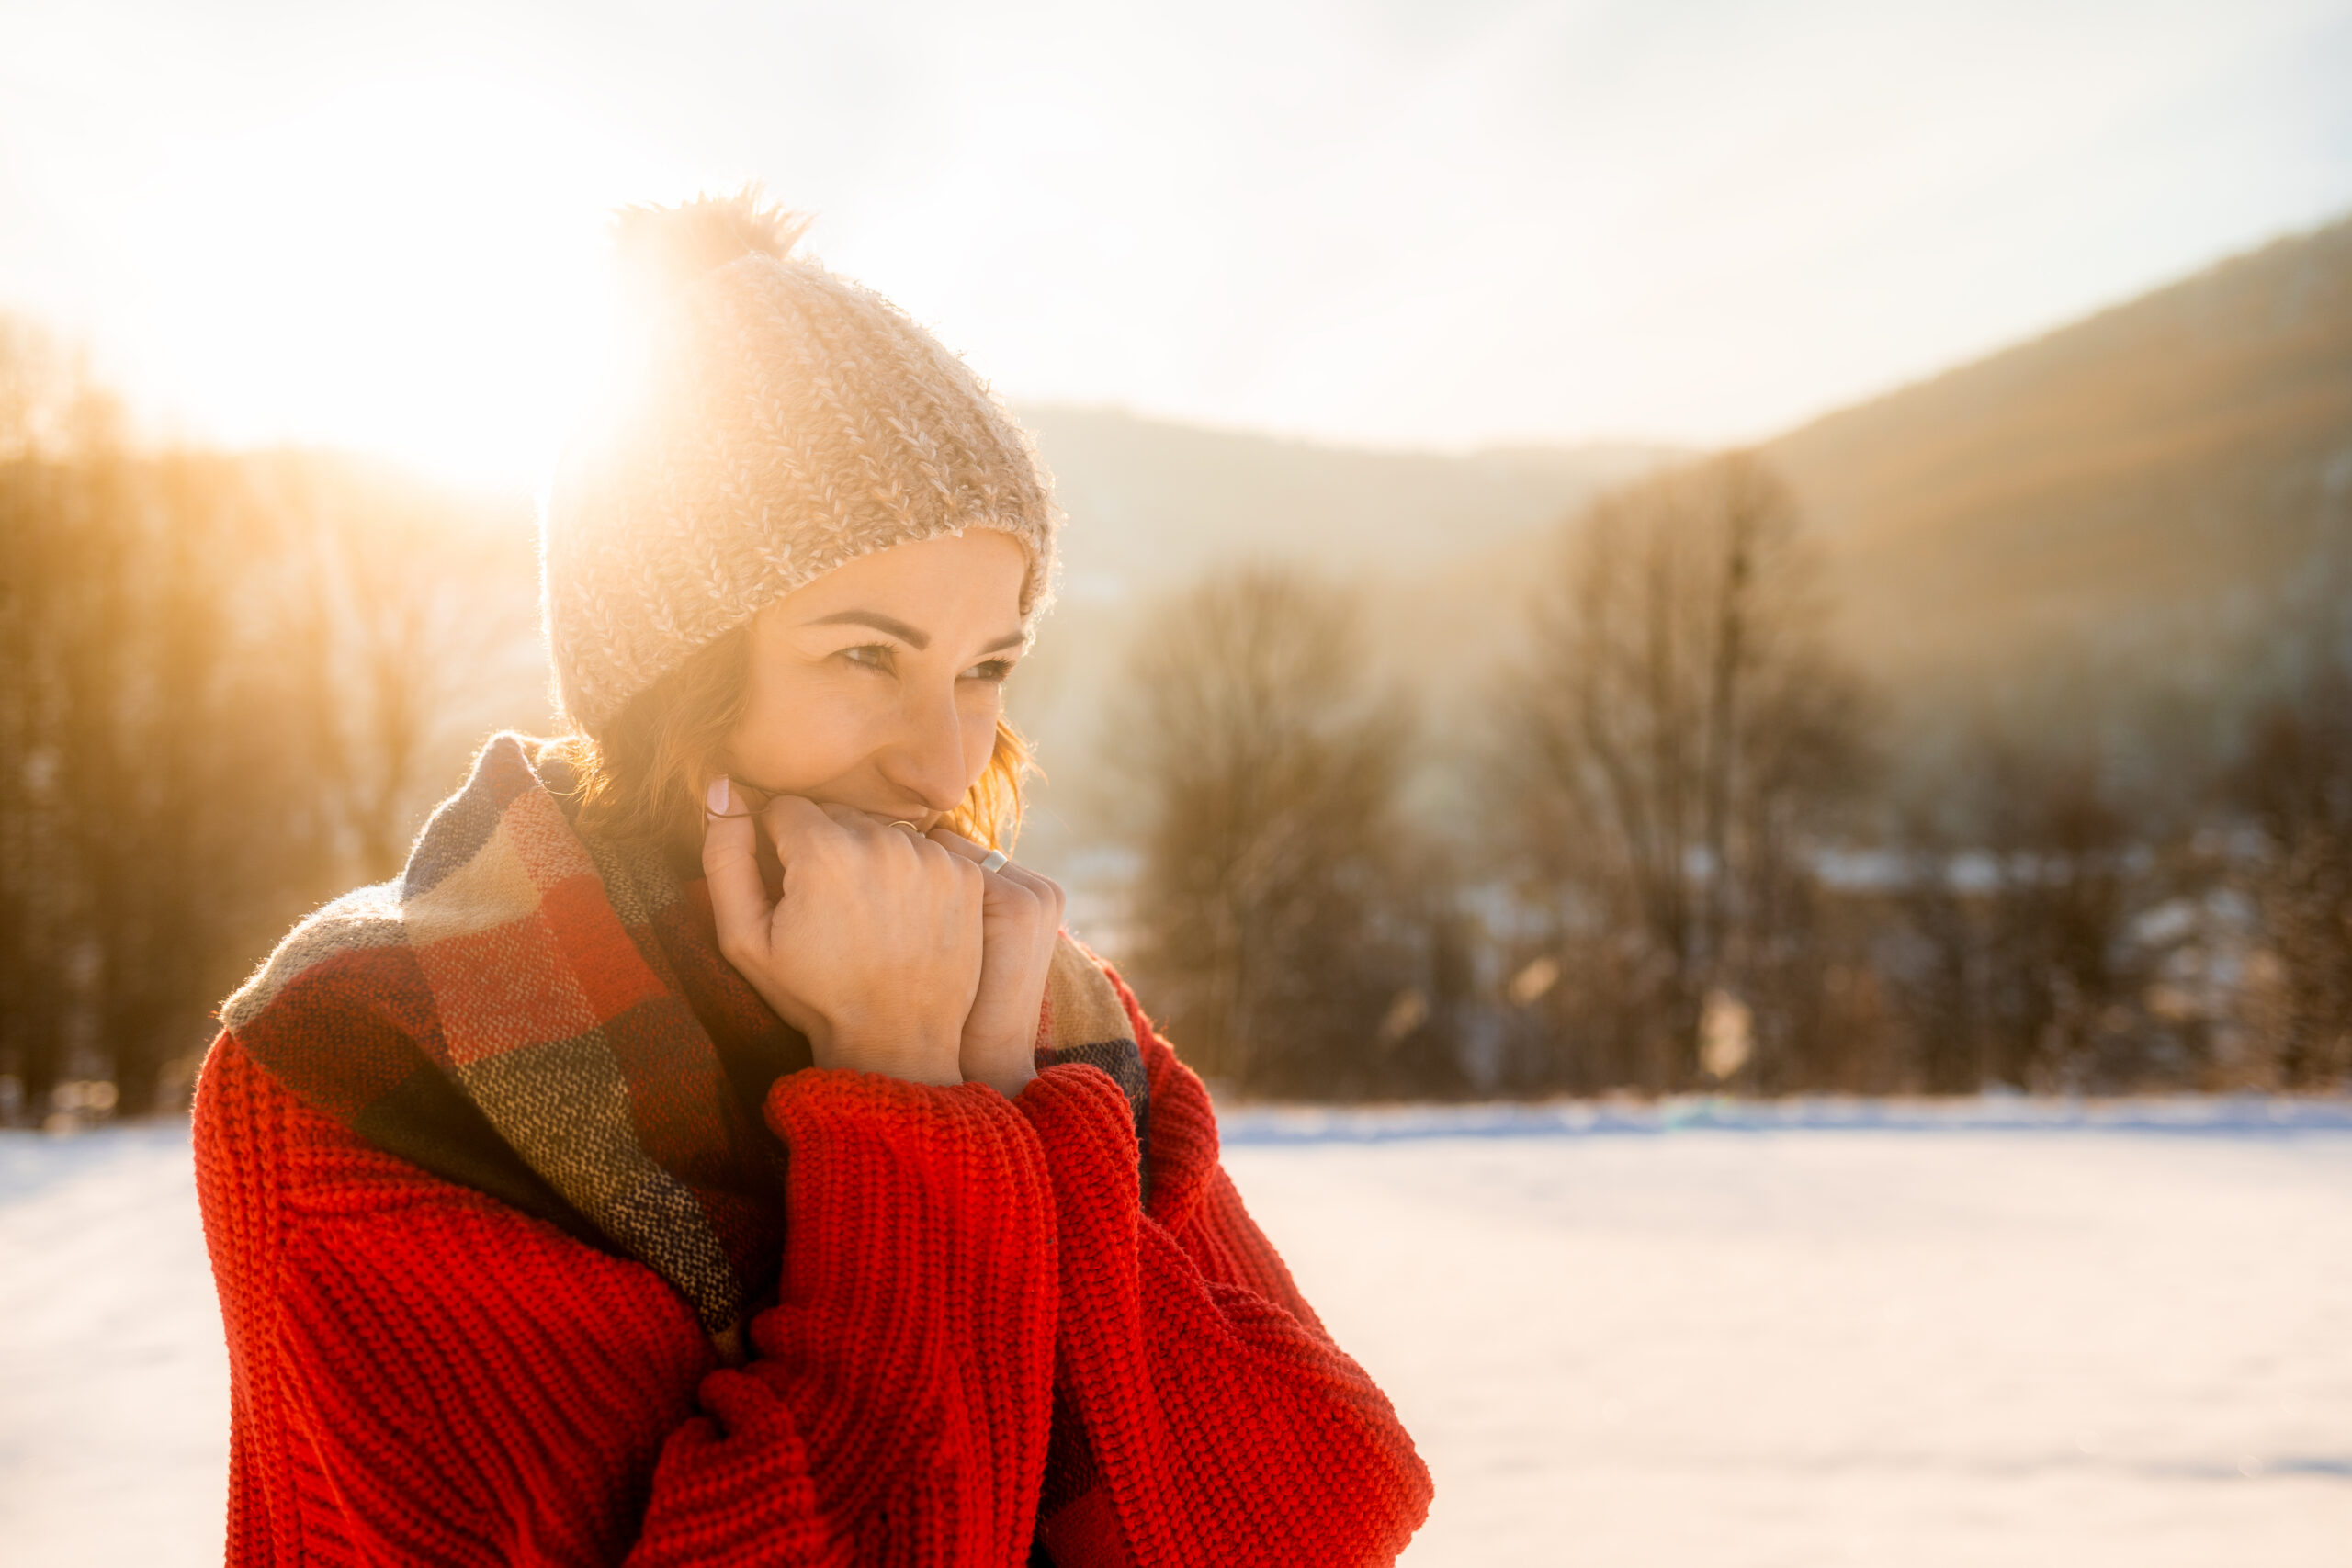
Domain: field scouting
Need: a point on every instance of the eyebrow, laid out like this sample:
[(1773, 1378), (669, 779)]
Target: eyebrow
[(913, 637)]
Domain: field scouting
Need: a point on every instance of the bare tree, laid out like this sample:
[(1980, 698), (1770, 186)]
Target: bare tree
[(417, 624), (1675, 739), (145, 819), (2297, 783), (1266, 765), (222, 694), (2056, 978)]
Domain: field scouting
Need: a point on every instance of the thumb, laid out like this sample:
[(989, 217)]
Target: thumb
[(730, 860), (794, 826)]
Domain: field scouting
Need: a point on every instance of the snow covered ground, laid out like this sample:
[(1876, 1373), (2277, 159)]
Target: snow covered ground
[(1996, 1333)]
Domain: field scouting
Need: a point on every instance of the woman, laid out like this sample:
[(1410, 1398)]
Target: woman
[(710, 1150)]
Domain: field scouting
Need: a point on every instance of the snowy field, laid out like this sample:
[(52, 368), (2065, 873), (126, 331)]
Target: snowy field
[(2000, 1334)]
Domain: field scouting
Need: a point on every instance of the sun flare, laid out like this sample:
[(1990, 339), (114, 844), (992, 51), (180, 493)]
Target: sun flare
[(416, 269)]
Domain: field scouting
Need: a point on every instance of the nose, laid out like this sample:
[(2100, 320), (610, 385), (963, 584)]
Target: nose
[(926, 758)]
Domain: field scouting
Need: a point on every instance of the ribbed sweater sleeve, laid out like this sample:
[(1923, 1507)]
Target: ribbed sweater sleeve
[(1224, 1424), (897, 1410), (420, 1375)]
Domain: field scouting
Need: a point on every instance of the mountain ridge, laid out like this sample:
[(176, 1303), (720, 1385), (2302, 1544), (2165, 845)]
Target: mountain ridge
[(2129, 471), (2160, 491)]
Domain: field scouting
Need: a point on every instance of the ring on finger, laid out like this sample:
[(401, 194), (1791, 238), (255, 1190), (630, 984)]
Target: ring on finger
[(995, 859), (913, 831)]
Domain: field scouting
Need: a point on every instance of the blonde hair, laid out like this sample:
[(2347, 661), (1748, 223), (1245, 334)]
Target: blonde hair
[(641, 775)]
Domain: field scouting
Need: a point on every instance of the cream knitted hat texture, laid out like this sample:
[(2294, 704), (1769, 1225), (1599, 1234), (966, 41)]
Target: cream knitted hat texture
[(782, 421)]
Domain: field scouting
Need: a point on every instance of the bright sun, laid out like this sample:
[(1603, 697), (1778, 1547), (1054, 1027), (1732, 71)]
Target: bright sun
[(421, 262)]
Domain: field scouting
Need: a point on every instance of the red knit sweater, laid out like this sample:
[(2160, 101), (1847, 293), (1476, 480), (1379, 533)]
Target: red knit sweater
[(422, 1375)]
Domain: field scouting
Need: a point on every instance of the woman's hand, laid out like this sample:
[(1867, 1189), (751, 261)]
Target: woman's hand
[(873, 949), (1020, 914)]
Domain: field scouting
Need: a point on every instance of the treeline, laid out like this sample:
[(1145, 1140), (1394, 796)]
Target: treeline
[(1681, 842), (1704, 852), (226, 686)]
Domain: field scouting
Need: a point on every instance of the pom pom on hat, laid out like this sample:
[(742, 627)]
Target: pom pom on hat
[(662, 249)]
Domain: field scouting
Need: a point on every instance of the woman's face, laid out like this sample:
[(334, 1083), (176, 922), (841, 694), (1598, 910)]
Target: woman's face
[(878, 685)]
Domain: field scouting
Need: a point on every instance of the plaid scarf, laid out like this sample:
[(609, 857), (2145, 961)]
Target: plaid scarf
[(544, 1016)]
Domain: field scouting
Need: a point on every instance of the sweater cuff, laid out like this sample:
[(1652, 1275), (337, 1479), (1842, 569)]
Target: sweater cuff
[(1087, 1126), (865, 1148), (904, 1204), (813, 1101)]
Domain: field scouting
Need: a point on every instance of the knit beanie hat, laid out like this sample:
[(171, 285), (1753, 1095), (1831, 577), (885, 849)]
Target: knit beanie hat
[(780, 422)]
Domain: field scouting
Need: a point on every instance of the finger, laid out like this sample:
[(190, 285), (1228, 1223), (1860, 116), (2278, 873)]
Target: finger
[(1045, 896), (796, 827), (955, 843), (972, 850), (731, 862), (1005, 877), (1044, 889), (1051, 904), (848, 816), (868, 828), (891, 837), (1047, 889)]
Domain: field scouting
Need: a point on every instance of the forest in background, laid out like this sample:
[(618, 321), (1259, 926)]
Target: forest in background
[(1995, 732), (231, 687)]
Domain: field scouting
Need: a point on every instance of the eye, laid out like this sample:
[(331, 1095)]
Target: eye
[(992, 670), (870, 654)]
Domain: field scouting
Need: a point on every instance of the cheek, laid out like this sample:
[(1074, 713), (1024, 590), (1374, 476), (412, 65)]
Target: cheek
[(799, 729)]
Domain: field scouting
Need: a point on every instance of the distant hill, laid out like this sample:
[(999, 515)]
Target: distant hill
[(2181, 461), (2170, 479), (1151, 504), (2159, 496)]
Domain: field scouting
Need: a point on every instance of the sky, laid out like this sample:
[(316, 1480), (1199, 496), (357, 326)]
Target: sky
[(1425, 224)]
